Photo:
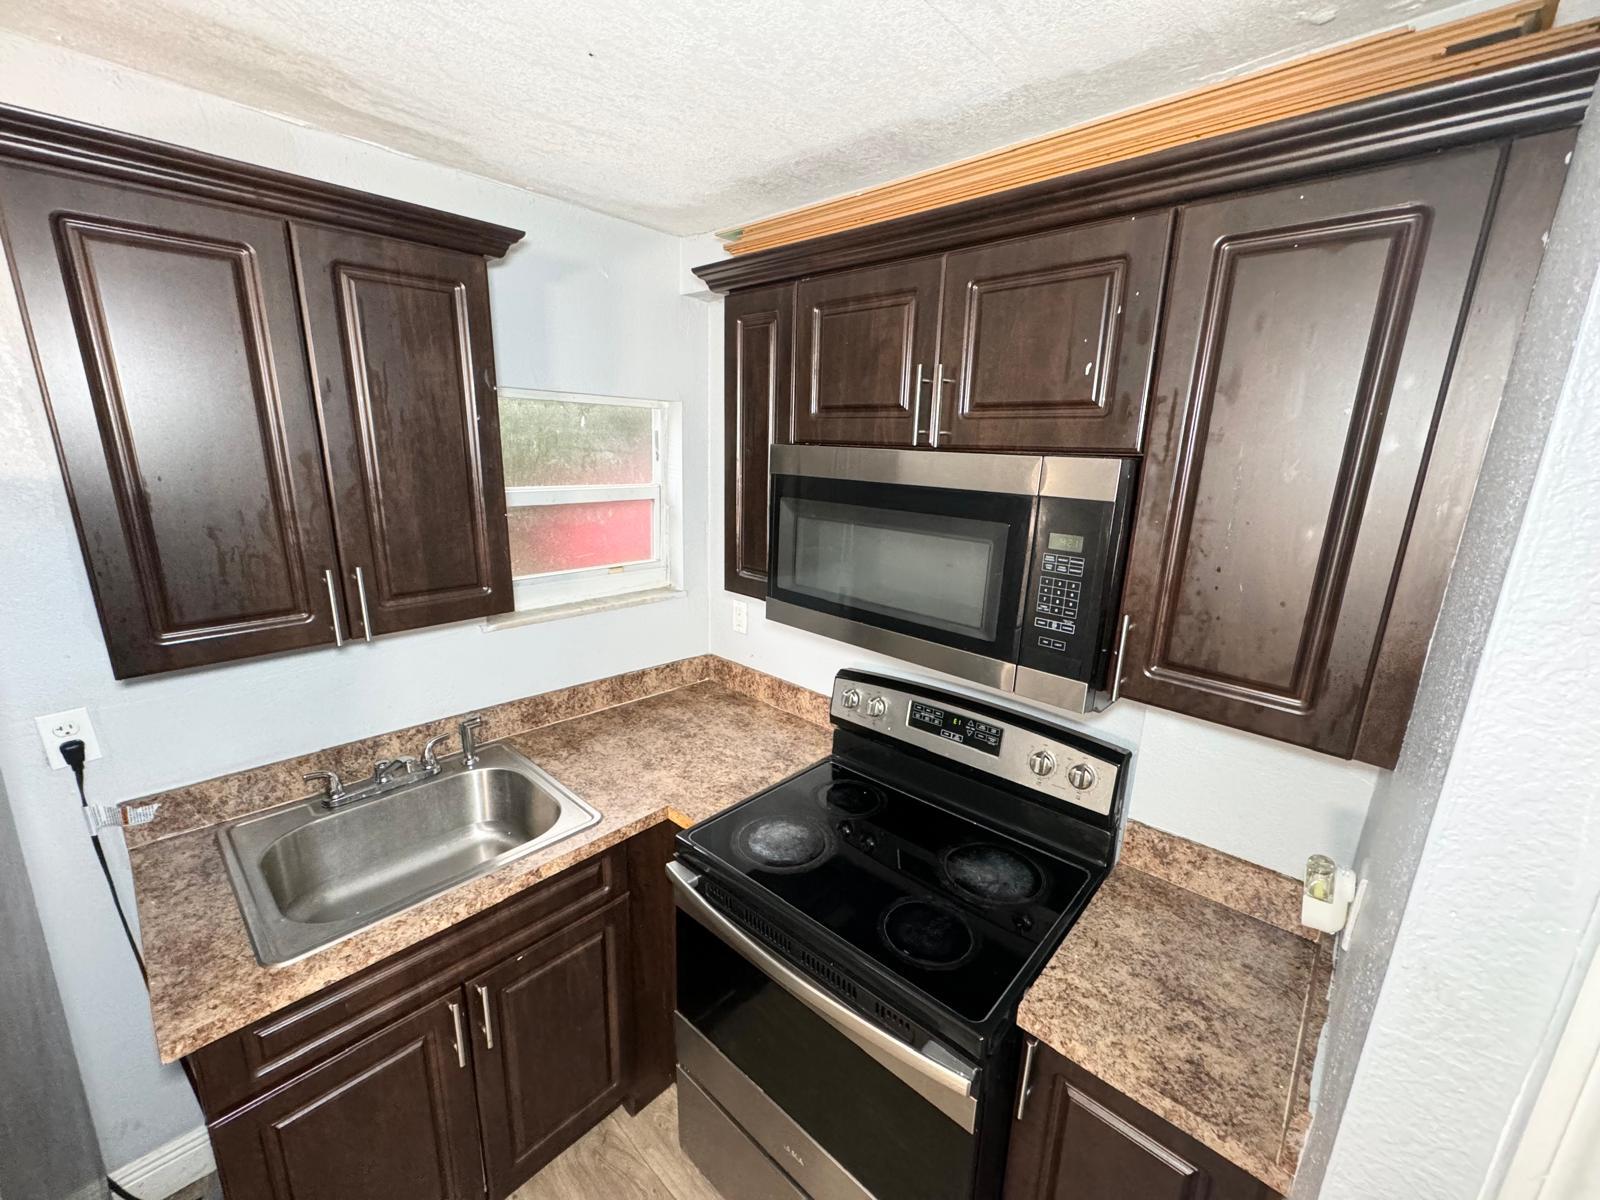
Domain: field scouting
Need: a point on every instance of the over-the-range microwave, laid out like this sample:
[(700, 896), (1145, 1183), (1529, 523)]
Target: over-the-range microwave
[(1004, 569)]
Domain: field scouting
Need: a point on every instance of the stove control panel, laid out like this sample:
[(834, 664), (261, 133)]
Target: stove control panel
[(1012, 752)]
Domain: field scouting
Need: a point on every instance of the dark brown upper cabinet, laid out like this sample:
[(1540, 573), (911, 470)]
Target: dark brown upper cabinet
[(1293, 535), (168, 343), (1047, 341), (403, 364), (1076, 1138), (865, 344), (224, 498), (758, 379)]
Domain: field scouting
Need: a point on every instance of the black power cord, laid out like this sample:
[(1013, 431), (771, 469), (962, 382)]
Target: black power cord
[(74, 753)]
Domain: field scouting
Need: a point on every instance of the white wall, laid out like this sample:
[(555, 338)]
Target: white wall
[(584, 303), (1261, 800)]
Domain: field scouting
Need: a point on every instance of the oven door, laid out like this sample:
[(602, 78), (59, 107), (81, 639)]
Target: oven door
[(918, 555), (769, 1060)]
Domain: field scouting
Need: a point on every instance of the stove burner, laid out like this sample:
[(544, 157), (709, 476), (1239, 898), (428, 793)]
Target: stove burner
[(852, 798), (992, 874), (927, 934), (782, 844)]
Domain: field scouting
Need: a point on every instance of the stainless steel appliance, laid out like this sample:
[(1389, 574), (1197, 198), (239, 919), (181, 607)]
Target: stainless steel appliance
[(1004, 569), (853, 942)]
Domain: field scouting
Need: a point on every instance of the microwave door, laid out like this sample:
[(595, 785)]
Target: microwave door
[(931, 575)]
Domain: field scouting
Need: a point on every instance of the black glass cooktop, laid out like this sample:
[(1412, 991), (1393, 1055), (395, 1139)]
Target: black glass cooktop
[(949, 907)]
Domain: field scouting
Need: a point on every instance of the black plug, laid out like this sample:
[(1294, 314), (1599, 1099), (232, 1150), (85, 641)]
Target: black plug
[(73, 752)]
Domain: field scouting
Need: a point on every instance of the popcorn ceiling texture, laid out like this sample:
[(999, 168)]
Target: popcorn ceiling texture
[(689, 118)]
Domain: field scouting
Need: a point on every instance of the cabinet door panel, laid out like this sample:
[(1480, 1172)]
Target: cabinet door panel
[(167, 334), (403, 360), (865, 343), (1048, 340), (1304, 358), (757, 383), (551, 1028), (1079, 1139), (393, 1116)]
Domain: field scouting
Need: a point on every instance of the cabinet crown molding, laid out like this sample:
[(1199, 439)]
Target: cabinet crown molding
[(40, 139), (1536, 97)]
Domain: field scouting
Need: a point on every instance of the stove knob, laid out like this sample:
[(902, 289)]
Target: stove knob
[(1081, 776), (1023, 921), (869, 843), (1041, 763), (850, 698), (877, 706)]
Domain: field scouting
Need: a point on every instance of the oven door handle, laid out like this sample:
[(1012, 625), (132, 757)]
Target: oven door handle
[(948, 1086)]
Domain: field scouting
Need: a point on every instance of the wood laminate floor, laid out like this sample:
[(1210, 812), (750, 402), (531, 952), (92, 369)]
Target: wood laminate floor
[(624, 1158)]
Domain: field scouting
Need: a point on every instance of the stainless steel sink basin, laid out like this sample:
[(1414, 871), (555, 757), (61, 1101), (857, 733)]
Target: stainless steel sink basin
[(306, 877)]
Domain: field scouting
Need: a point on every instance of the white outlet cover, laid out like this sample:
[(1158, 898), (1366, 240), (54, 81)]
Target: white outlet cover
[(58, 727), (741, 617)]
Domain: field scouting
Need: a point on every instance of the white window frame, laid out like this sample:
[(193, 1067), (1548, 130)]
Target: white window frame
[(554, 589)]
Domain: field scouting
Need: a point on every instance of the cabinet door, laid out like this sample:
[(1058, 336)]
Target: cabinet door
[(757, 383), (865, 343), (392, 1116), (167, 337), (1077, 1139), (1048, 340), (1308, 341), (404, 366), (551, 1031)]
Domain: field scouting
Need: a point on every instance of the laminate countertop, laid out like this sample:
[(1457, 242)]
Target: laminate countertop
[(1201, 1012), (682, 755)]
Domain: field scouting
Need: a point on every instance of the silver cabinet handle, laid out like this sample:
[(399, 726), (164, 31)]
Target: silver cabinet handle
[(916, 407), (950, 1086), (461, 1040), (1025, 1084), (934, 430), (488, 1026), (333, 608), (1122, 644), (361, 591)]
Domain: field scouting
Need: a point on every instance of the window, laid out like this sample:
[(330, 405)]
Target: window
[(585, 495)]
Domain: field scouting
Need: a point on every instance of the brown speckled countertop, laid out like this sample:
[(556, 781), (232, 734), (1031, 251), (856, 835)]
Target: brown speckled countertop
[(1169, 993), (1207, 1017), (686, 753)]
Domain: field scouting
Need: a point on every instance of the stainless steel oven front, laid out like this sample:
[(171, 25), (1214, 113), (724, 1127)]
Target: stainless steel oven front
[(784, 1091), (1005, 569)]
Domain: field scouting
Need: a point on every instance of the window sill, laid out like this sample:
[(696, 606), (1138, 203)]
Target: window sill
[(580, 608)]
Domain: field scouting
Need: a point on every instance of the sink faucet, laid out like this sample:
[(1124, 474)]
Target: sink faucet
[(384, 770), (469, 742)]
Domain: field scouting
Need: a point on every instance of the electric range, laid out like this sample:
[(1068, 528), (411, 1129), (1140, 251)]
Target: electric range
[(853, 943)]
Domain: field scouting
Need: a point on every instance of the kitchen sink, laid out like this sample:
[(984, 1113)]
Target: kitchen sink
[(306, 876)]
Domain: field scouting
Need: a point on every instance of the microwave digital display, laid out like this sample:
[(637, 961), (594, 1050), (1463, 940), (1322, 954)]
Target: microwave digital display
[(1071, 543), (954, 727)]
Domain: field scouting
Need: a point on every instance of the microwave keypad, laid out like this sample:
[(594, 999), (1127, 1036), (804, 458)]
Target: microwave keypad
[(1056, 602)]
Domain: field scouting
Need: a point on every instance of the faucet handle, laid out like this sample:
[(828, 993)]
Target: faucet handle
[(332, 787), (430, 760)]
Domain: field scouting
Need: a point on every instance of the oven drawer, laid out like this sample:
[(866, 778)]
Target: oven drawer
[(725, 1154)]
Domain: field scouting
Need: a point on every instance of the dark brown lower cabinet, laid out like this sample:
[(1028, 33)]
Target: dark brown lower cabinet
[(461, 1066), (1079, 1139), (551, 1038), (394, 1115)]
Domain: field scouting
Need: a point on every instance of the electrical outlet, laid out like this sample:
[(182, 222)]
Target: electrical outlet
[(55, 728), (741, 617)]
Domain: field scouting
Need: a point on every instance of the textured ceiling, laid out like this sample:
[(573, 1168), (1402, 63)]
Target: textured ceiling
[(695, 116)]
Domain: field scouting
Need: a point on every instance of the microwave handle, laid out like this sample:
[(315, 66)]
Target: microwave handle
[(949, 1088), (1122, 645)]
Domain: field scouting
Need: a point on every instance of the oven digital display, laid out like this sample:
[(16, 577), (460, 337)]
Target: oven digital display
[(964, 731)]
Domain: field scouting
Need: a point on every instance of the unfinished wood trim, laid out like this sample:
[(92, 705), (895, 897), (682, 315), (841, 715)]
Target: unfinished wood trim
[(1375, 66)]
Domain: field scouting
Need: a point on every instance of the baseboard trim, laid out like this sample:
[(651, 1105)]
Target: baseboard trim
[(169, 1167)]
